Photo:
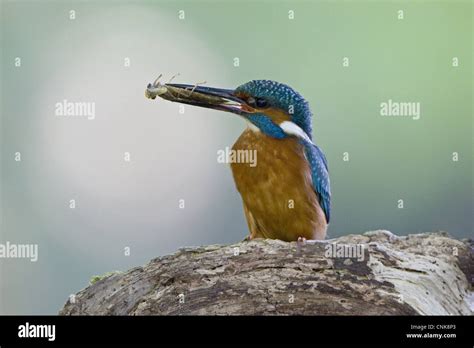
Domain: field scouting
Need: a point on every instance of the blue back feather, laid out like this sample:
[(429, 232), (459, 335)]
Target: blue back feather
[(320, 175)]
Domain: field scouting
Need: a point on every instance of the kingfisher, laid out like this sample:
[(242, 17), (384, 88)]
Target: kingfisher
[(286, 195)]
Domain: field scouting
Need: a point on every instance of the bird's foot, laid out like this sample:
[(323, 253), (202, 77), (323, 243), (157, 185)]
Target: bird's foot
[(247, 239), (301, 241)]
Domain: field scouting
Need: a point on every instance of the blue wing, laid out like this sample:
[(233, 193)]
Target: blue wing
[(320, 175)]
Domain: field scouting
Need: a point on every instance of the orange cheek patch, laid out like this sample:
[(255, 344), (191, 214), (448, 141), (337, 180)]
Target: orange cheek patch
[(278, 116), (249, 109)]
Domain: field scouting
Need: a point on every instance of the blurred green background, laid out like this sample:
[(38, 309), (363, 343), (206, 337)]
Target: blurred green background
[(173, 156)]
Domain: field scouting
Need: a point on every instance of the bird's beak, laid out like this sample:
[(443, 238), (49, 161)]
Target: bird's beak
[(208, 97)]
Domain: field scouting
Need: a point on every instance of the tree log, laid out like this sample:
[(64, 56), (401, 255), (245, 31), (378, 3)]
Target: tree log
[(376, 273)]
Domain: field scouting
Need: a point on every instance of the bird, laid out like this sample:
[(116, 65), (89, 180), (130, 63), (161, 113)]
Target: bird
[(286, 195)]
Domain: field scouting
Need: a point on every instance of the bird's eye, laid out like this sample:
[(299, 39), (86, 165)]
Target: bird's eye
[(261, 103), (257, 102)]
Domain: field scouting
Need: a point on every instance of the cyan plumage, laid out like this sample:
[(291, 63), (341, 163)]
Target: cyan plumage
[(283, 97)]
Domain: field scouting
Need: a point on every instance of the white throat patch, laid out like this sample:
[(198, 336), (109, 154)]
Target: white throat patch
[(291, 128)]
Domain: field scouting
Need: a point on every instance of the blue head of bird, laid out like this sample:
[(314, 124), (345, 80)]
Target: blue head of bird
[(273, 108)]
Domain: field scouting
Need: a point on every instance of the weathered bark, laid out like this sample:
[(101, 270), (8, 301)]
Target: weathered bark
[(428, 273)]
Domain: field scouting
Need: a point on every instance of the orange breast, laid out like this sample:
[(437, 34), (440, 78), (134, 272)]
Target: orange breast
[(278, 196)]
